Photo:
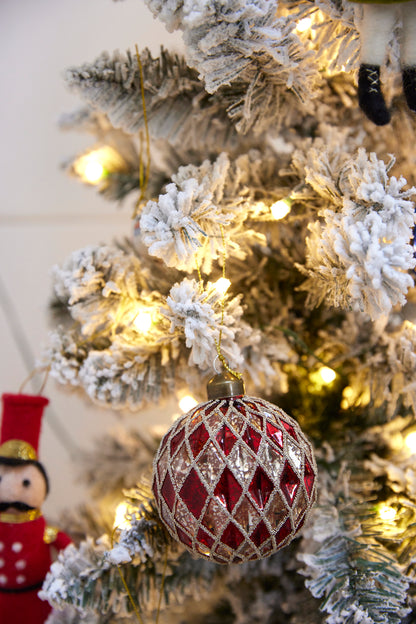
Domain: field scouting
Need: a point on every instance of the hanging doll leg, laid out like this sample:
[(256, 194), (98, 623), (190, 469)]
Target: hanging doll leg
[(408, 53), (375, 32)]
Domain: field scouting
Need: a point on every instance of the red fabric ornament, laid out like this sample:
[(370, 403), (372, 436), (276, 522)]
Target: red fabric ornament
[(234, 479)]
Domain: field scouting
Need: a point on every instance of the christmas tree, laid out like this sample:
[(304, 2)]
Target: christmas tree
[(272, 238)]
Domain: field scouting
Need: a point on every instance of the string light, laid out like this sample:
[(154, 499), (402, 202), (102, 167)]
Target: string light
[(143, 322), (410, 441), (303, 25), (387, 513), (222, 285), (327, 374), (94, 166), (121, 516), (187, 403), (281, 208)]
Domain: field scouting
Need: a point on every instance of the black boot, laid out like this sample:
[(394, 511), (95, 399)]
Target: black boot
[(370, 97), (409, 86)]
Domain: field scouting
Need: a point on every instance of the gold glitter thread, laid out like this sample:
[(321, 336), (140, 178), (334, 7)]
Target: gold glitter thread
[(18, 449), (24, 516), (126, 587), (218, 343), (45, 369), (143, 182), (50, 534)]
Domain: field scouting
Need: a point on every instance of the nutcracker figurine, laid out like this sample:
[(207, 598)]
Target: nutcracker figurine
[(25, 538)]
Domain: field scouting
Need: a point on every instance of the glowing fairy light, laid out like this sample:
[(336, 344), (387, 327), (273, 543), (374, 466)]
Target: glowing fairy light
[(410, 441), (281, 208), (387, 513), (303, 25), (222, 285), (327, 374), (121, 516), (143, 322), (187, 403), (94, 166)]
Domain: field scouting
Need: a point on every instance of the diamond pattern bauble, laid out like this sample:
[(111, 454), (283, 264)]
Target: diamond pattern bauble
[(234, 479)]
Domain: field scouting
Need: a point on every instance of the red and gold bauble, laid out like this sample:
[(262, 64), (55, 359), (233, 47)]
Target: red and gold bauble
[(234, 478)]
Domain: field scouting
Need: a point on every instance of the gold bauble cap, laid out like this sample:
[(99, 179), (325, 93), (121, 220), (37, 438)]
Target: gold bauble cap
[(225, 385), (18, 449)]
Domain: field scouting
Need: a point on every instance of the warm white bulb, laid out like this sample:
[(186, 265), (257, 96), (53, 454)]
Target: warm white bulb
[(187, 403), (386, 512), (120, 519), (93, 171), (280, 209), (303, 25), (327, 374), (222, 285), (410, 441), (143, 322)]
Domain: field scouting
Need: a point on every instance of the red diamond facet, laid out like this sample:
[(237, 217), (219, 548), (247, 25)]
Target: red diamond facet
[(308, 477), (197, 440), (168, 492), (252, 438), (289, 429), (176, 441), (185, 539), (232, 536), (154, 488), (275, 434), (203, 537), (261, 487), (260, 534), (226, 439), (289, 483), (224, 407), (228, 490), (240, 407), (210, 408), (266, 548), (284, 531), (193, 493)]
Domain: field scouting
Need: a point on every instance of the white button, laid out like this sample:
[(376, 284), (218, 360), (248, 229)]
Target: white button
[(1, 546), (3, 579), (1, 563), (17, 547), (20, 578), (20, 564)]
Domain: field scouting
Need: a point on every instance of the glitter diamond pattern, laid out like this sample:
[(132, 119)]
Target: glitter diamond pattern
[(226, 439), (275, 434), (252, 438), (309, 477), (197, 439), (193, 493), (289, 482), (261, 487), (295, 454), (176, 441), (232, 536), (228, 490), (168, 492), (232, 476)]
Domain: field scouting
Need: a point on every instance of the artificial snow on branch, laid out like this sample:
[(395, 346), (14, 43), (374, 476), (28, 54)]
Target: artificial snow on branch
[(360, 256), (246, 53)]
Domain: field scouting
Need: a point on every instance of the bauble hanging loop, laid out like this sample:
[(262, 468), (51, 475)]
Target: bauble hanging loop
[(234, 478)]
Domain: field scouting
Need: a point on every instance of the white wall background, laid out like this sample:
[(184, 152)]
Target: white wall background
[(43, 214)]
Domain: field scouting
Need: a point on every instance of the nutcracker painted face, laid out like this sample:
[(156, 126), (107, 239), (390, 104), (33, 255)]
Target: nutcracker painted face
[(23, 487)]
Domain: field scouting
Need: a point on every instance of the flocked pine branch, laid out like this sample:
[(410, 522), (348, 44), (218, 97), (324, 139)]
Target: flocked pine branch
[(361, 254), (355, 575), (246, 53), (178, 107)]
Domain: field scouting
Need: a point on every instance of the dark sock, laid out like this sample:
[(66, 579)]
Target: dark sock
[(409, 86), (370, 97)]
